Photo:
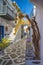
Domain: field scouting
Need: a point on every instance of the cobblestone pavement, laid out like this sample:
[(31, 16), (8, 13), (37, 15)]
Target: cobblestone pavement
[(14, 54)]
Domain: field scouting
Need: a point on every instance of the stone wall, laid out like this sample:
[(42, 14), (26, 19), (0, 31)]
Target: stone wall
[(6, 23)]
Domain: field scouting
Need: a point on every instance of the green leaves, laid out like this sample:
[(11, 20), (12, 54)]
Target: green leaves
[(4, 43)]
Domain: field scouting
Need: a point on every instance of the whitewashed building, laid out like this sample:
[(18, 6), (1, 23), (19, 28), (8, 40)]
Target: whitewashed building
[(7, 16), (39, 18)]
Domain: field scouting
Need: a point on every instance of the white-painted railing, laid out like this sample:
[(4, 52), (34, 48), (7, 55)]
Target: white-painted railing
[(4, 9)]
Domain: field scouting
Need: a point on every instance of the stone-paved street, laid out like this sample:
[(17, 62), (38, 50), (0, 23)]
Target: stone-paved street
[(14, 54), (18, 53)]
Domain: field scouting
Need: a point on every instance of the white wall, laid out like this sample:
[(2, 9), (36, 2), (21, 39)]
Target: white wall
[(5, 23), (18, 35), (1, 2), (39, 19)]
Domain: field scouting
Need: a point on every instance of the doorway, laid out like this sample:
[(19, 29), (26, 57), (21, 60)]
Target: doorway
[(1, 32)]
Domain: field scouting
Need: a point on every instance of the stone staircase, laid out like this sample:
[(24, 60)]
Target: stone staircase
[(29, 51)]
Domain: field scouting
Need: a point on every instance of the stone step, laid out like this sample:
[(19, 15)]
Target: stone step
[(29, 58), (29, 49), (30, 55), (29, 52)]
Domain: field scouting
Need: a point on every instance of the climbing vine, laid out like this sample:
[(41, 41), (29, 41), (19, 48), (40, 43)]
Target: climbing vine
[(36, 35)]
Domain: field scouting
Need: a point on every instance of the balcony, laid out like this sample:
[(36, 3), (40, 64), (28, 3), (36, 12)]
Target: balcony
[(7, 13)]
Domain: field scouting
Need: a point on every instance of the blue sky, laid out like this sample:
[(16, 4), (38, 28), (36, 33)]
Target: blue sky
[(25, 6)]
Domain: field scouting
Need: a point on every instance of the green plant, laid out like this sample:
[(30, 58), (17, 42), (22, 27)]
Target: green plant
[(4, 43)]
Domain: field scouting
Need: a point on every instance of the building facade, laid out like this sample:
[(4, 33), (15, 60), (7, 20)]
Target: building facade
[(7, 15), (39, 19)]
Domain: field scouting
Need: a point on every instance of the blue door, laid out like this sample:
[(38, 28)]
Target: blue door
[(1, 32)]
